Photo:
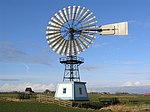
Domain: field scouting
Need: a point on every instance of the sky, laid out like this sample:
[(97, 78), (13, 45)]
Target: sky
[(111, 61)]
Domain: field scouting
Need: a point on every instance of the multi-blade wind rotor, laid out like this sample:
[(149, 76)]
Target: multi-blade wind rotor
[(72, 29)]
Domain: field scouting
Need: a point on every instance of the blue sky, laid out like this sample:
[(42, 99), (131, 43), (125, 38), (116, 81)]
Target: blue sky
[(26, 59)]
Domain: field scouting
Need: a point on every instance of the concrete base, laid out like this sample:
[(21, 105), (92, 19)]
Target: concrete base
[(71, 91)]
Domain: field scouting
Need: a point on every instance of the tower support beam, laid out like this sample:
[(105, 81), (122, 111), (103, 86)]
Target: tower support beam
[(71, 63)]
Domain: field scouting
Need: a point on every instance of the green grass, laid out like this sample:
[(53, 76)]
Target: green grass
[(8, 95), (123, 98), (129, 101), (36, 107)]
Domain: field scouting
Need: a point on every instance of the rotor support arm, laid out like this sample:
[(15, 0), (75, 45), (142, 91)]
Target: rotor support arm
[(111, 29)]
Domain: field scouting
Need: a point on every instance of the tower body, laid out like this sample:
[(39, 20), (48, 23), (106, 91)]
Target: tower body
[(71, 88)]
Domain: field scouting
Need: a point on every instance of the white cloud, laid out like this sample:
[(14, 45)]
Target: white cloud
[(100, 45), (128, 89), (9, 53), (9, 79), (145, 24), (130, 83), (90, 67), (37, 87), (130, 62), (97, 46), (135, 83)]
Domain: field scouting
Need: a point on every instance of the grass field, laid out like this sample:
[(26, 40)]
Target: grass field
[(123, 98), (128, 103), (8, 95), (36, 107)]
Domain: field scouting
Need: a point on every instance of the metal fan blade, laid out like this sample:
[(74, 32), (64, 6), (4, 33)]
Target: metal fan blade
[(55, 46), (72, 48), (57, 21), (52, 45), (89, 20), (51, 40), (88, 28), (88, 16), (54, 41), (80, 13), (62, 15), (76, 47), (63, 48), (69, 51), (73, 12), (83, 43), (89, 36), (55, 24), (115, 29), (56, 33), (52, 31), (79, 45), (86, 39), (59, 18), (90, 24), (84, 15), (60, 46), (77, 11), (69, 12), (52, 27), (52, 36), (66, 14), (66, 48)]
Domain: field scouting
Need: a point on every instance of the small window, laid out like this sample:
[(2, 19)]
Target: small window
[(64, 90), (80, 90)]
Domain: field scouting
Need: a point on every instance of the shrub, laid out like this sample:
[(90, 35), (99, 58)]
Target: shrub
[(109, 101), (23, 96), (92, 105)]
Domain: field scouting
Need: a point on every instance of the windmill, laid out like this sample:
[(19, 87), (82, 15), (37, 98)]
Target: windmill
[(69, 32)]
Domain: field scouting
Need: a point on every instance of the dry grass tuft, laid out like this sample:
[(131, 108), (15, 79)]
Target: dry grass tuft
[(127, 108)]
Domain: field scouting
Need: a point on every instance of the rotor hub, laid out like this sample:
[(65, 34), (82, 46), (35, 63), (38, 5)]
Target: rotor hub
[(71, 30)]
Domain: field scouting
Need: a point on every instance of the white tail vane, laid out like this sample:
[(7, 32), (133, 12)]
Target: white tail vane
[(114, 29)]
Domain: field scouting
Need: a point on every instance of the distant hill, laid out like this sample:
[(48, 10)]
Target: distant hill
[(126, 89)]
